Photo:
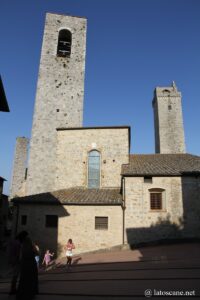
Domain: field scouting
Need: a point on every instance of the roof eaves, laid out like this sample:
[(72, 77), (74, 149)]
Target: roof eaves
[(112, 203), (93, 127), (193, 174)]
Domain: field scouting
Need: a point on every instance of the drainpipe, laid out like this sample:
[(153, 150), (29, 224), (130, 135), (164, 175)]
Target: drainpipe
[(123, 209)]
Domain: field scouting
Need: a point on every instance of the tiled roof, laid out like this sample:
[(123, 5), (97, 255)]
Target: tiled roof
[(162, 165), (75, 196)]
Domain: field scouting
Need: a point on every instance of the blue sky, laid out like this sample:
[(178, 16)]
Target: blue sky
[(132, 47)]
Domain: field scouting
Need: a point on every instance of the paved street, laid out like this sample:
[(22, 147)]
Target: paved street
[(122, 275)]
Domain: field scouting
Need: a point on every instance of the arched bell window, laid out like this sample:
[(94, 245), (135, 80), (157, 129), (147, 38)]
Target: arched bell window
[(64, 43), (93, 169)]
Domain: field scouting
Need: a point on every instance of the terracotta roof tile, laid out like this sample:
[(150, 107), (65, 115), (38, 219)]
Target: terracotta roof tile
[(75, 196), (162, 164)]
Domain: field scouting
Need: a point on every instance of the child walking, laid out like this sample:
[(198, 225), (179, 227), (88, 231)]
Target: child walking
[(47, 258), (69, 247)]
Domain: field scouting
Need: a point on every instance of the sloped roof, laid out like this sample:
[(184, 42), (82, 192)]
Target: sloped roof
[(75, 196), (162, 165)]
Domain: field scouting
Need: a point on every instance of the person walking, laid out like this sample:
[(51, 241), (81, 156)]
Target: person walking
[(47, 258), (69, 248), (37, 254), (28, 281), (14, 259)]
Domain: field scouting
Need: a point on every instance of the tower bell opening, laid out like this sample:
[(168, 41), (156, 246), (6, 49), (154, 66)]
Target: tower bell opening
[(64, 43)]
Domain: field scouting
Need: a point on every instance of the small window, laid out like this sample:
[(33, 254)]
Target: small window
[(64, 43), (156, 201), (26, 172), (52, 221), (101, 223), (147, 179), (23, 220), (169, 107)]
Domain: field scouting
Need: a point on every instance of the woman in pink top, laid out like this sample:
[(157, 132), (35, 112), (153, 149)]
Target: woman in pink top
[(47, 258), (69, 247)]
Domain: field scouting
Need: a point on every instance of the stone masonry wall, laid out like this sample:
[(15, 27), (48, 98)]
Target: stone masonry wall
[(73, 147), (59, 98), (143, 224), (19, 166), (191, 205), (76, 222), (179, 217), (168, 121)]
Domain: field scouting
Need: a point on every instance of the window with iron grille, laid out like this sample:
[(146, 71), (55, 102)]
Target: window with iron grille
[(101, 223), (51, 221), (156, 201), (93, 169), (64, 43), (23, 220)]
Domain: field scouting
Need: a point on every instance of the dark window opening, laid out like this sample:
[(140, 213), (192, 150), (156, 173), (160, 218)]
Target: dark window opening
[(23, 220), (51, 221), (169, 107), (156, 201), (26, 172), (101, 223), (148, 179), (166, 91), (64, 43)]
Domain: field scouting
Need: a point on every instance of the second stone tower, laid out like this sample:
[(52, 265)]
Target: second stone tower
[(168, 120)]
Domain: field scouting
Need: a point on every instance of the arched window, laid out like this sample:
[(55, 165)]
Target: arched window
[(93, 169), (64, 43)]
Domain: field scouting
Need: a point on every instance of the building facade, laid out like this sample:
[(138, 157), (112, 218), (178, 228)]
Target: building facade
[(82, 182)]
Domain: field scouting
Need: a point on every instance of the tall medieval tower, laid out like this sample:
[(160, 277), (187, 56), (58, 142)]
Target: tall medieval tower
[(59, 96), (168, 120)]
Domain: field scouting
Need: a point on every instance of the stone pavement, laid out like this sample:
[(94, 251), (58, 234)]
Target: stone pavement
[(124, 274)]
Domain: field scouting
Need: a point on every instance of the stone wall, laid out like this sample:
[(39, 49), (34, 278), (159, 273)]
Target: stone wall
[(180, 214), (76, 222), (73, 147), (191, 205), (59, 98)]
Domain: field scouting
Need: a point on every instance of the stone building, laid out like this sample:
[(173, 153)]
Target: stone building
[(4, 212), (82, 182), (4, 205)]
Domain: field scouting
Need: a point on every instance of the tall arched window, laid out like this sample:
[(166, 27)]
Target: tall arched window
[(64, 43), (93, 169)]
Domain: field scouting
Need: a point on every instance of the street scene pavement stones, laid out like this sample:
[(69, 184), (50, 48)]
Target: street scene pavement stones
[(160, 272)]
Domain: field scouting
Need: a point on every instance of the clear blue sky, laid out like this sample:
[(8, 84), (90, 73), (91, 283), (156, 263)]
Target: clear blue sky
[(132, 47)]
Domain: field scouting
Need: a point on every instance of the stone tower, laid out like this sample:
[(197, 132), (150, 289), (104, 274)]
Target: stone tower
[(19, 167), (168, 120), (59, 95)]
